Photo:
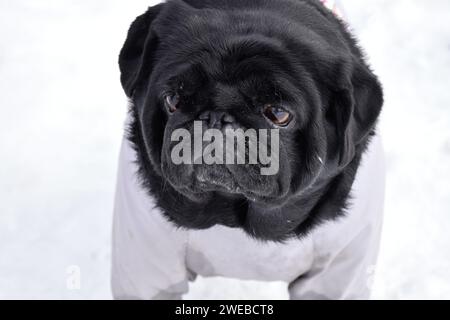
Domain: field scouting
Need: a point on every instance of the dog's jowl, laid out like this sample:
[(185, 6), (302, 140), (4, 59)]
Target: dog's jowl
[(250, 151)]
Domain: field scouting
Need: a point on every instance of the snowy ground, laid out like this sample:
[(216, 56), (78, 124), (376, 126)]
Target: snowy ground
[(61, 113)]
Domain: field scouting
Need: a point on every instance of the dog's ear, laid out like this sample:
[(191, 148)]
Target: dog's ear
[(355, 106), (135, 59)]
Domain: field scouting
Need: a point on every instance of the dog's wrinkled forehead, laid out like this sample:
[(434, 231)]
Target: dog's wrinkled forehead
[(228, 59), (227, 53), (233, 72)]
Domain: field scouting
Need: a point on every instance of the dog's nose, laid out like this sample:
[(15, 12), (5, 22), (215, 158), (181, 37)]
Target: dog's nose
[(217, 119)]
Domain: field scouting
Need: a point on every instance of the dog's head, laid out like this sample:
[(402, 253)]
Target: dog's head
[(188, 63)]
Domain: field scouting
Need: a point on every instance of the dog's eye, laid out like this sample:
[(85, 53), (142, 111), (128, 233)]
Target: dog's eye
[(172, 101), (277, 115)]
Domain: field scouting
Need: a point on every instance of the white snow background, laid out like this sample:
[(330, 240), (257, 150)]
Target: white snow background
[(61, 115)]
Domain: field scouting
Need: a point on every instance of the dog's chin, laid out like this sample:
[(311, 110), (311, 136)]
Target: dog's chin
[(216, 179), (208, 181)]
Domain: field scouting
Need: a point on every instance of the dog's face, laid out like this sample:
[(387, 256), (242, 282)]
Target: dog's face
[(226, 70), (243, 83)]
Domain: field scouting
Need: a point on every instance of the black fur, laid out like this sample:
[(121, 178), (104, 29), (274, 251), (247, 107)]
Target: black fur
[(237, 55)]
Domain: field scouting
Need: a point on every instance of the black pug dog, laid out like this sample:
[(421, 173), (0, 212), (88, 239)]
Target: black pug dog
[(290, 65), (238, 57)]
